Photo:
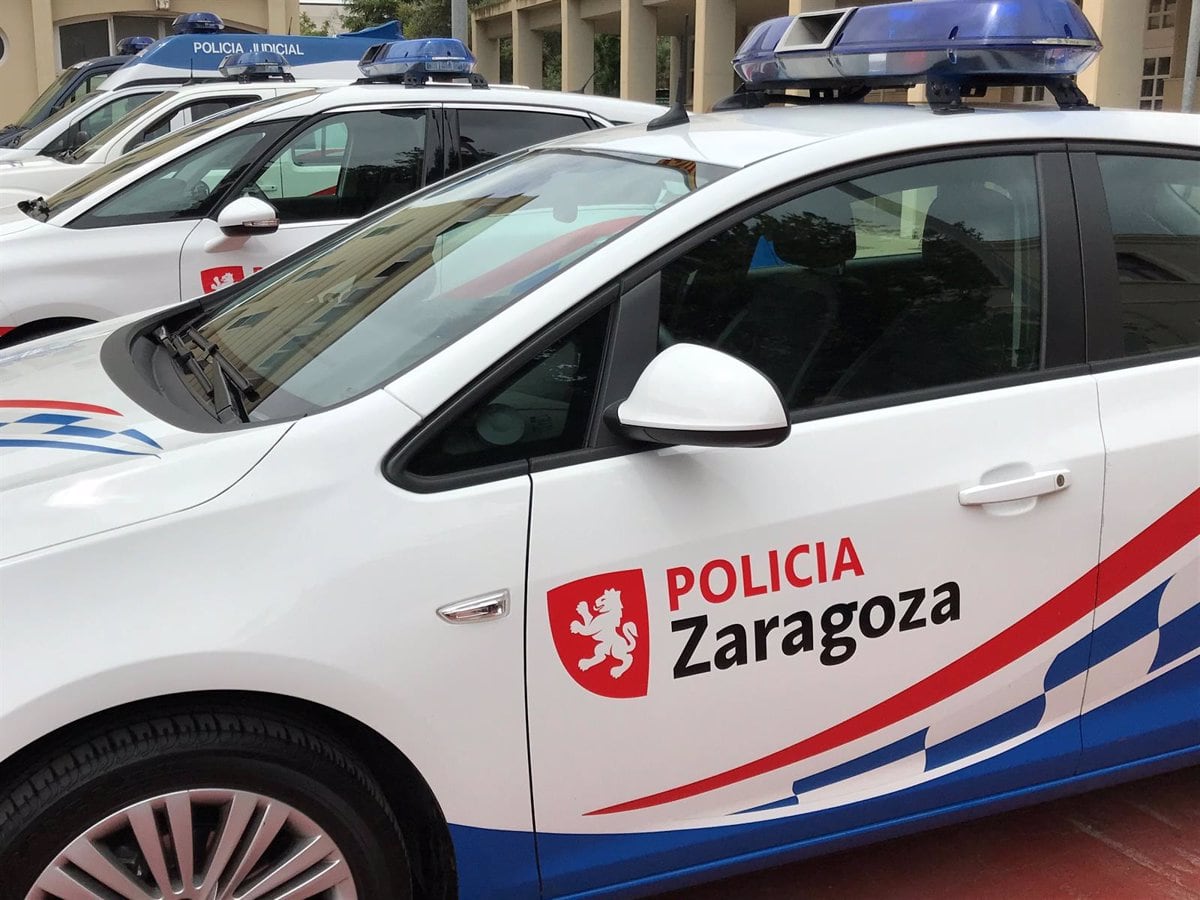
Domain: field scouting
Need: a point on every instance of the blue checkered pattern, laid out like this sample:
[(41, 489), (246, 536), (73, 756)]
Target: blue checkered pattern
[(1176, 638), (68, 431)]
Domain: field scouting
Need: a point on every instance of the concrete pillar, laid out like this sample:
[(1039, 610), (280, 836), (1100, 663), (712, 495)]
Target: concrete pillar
[(803, 6), (639, 50), (715, 24), (527, 51), (578, 48), (676, 67), (277, 17), (1115, 78), (486, 50), (44, 55)]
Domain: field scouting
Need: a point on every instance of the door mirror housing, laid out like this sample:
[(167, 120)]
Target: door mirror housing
[(247, 216), (702, 397)]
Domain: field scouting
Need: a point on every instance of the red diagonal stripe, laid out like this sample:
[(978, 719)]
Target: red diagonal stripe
[(58, 404), (1149, 548)]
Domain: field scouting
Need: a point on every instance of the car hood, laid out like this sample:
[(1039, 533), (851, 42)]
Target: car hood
[(78, 456)]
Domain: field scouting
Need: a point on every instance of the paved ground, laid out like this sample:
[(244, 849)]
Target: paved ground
[(1133, 842)]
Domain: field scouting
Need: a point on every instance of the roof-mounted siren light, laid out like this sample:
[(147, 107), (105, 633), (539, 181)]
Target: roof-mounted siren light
[(957, 47), (256, 65), (197, 23), (413, 62), (132, 46)]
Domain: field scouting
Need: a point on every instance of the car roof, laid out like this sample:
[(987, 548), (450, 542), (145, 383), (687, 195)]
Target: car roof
[(610, 108), (739, 138)]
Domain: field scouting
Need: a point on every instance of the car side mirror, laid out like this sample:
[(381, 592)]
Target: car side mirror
[(247, 216), (702, 397)]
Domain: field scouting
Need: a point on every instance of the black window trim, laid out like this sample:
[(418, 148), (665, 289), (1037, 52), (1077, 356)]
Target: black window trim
[(633, 330), (139, 138), (1063, 321), (451, 109), (1105, 340)]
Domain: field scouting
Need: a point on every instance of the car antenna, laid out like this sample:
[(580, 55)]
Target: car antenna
[(678, 114), (586, 83)]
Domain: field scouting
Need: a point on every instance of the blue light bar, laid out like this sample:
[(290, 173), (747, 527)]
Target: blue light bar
[(904, 43), (429, 56), (254, 64), (131, 46), (197, 23)]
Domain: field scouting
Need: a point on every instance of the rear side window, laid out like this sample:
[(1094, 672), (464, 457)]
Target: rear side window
[(185, 115), (484, 134), (1154, 208)]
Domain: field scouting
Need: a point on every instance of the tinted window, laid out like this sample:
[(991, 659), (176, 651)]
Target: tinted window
[(182, 188), (917, 278), (185, 115), (484, 134), (1154, 206), (96, 121), (344, 166), (544, 409)]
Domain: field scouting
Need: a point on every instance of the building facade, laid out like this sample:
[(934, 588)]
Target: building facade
[(1141, 66), (38, 38)]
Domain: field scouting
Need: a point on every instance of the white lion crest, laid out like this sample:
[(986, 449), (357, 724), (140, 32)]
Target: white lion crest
[(605, 628)]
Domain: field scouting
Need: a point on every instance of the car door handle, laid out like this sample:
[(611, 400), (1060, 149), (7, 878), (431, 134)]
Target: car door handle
[(1017, 489), (483, 608)]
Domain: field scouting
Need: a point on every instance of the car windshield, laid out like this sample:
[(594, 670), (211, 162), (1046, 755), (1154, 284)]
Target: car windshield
[(42, 103), (50, 124), (386, 294), (119, 125), (163, 146)]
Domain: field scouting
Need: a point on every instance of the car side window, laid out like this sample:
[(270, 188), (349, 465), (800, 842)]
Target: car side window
[(344, 166), (182, 188), (96, 121), (544, 408), (1154, 208), (185, 115), (484, 134), (920, 277)]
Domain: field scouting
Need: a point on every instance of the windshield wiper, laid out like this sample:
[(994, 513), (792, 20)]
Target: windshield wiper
[(218, 391), (37, 208), (230, 388)]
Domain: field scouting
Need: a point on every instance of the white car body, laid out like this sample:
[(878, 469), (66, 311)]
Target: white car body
[(26, 172), (49, 137), (279, 561), (60, 270)]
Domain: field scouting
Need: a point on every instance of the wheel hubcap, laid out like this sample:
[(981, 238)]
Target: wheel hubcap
[(200, 845)]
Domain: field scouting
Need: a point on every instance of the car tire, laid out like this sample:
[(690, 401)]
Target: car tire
[(102, 806)]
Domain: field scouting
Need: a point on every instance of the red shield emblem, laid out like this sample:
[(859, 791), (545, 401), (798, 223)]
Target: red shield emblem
[(601, 631), (221, 277)]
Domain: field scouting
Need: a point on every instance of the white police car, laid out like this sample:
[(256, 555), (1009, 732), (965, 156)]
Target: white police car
[(47, 173), (201, 208), (657, 504)]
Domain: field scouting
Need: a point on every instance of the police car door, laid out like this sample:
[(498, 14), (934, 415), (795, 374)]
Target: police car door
[(732, 649), (327, 173), (1140, 208)]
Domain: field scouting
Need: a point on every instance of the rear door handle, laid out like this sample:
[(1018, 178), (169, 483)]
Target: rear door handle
[(1017, 489)]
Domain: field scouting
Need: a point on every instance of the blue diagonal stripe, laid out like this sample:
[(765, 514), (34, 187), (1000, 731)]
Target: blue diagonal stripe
[(1178, 637), (894, 751), (80, 431), (50, 419), (1108, 640), (69, 445), (138, 436), (1025, 717)]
